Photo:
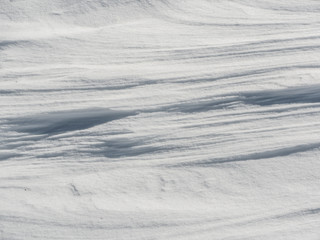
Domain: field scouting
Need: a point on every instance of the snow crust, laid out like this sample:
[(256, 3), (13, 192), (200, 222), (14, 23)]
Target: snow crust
[(159, 119)]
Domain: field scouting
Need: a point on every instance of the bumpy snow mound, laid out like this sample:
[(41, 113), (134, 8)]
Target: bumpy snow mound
[(159, 119)]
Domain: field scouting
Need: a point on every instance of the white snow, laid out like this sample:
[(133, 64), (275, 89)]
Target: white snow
[(159, 119)]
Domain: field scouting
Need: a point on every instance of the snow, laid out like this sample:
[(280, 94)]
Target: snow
[(159, 119)]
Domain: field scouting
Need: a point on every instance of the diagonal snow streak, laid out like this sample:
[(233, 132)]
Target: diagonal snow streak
[(159, 119)]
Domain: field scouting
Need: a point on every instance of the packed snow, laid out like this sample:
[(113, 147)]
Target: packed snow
[(159, 119)]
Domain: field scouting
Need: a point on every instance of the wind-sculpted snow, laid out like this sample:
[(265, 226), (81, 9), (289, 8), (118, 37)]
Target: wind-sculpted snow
[(65, 121), (159, 119)]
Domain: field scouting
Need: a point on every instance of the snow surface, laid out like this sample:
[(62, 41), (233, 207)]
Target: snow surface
[(159, 119)]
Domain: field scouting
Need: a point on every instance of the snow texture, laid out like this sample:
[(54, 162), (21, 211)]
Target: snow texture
[(159, 119)]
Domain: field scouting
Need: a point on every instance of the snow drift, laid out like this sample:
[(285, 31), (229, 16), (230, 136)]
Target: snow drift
[(159, 119)]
